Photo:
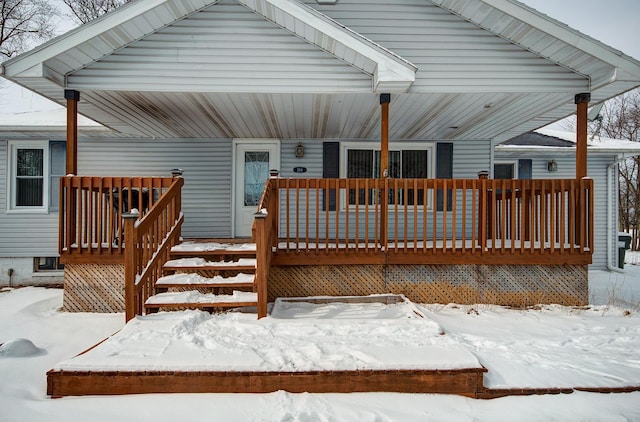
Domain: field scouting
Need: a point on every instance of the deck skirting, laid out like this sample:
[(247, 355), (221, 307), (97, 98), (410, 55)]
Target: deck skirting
[(100, 287), (94, 288), (509, 285)]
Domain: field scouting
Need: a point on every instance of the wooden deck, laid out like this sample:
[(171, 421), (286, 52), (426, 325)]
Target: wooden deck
[(465, 382)]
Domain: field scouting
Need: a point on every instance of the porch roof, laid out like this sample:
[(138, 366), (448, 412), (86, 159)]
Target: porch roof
[(556, 141), (331, 80)]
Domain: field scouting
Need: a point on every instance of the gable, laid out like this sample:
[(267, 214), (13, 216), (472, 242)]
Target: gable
[(451, 53), (223, 48)]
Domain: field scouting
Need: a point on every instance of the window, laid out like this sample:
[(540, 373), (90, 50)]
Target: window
[(406, 162), (35, 168), (504, 171), (47, 264), (521, 169)]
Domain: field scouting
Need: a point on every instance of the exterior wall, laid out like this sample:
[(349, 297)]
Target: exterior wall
[(207, 174), (597, 170), (23, 273), (24, 234), (509, 285)]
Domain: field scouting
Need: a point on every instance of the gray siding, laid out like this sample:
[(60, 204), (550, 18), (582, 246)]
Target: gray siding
[(24, 234), (223, 48), (207, 174), (449, 51)]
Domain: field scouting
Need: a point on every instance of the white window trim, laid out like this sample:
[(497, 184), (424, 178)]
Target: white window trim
[(13, 146), (393, 146)]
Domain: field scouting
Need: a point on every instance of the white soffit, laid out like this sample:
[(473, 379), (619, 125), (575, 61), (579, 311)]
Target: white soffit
[(392, 74)]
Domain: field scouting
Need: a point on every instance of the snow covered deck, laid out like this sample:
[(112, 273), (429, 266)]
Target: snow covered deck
[(313, 345)]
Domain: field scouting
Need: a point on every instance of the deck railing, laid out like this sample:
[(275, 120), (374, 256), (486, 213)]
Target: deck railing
[(265, 234), (91, 208), (331, 221), (148, 242)]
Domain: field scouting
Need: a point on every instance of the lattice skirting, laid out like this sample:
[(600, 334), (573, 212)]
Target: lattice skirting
[(93, 288), (510, 285)]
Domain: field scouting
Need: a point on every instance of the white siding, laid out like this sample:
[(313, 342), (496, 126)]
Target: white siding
[(207, 174)]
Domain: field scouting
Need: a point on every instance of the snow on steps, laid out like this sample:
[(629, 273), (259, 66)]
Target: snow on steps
[(191, 268), (194, 298), (198, 263), (196, 280), (213, 249)]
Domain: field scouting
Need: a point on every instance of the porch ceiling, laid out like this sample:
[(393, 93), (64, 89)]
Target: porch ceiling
[(312, 116)]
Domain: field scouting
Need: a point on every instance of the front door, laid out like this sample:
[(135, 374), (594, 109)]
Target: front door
[(253, 160)]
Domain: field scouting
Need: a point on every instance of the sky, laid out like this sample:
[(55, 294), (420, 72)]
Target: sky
[(613, 22)]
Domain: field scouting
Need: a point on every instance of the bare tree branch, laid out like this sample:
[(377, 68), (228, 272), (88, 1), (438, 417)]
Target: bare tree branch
[(621, 120), (86, 10), (24, 21)]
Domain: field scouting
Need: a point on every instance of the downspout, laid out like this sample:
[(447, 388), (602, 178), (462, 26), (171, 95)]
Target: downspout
[(610, 169)]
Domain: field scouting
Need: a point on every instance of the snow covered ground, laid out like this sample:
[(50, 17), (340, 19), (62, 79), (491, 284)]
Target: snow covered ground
[(551, 346)]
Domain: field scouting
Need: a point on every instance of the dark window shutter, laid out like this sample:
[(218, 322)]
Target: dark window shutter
[(330, 170), (444, 170), (525, 169)]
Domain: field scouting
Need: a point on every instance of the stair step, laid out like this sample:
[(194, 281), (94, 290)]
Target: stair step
[(195, 280), (195, 299), (213, 249), (195, 264)]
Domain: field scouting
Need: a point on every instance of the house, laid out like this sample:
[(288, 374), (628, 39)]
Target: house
[(382, 119), (29, 248)]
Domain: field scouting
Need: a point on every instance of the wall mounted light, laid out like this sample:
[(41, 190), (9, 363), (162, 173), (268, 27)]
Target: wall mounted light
[(552, 166), (299, 150)]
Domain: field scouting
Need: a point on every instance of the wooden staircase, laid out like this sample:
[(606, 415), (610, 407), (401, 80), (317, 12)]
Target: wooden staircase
[(210, 276)]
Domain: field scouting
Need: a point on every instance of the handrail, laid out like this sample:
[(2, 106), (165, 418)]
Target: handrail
[(148, 244), (91, 207), (265, 238)]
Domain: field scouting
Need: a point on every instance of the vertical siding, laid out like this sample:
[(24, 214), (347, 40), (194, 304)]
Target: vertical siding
[(207, 174)]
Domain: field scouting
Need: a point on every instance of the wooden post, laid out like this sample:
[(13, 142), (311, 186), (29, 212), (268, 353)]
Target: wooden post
[(483, 176), (72, 98), (130, 296), (263, 249), (385, 99), (582, 102)]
